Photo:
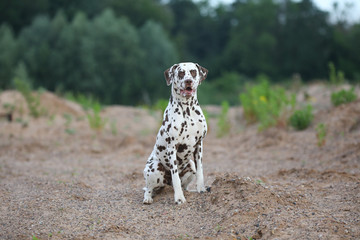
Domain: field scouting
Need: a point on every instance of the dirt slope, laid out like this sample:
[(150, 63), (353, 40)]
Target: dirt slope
[(59, 179)]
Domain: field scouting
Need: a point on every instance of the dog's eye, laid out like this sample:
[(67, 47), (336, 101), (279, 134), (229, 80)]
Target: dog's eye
[(193, 73), (181, 74)]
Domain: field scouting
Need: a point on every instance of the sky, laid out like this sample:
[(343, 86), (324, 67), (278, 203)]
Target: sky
[(326, 5)]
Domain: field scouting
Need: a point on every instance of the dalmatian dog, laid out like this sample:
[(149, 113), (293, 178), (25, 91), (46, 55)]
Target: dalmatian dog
[(177, 155)]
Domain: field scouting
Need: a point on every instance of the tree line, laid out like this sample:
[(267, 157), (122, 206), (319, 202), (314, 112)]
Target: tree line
[(117, 50)]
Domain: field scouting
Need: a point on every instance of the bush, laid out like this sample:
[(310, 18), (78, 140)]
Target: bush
[(265, 104), (301, 119), (343, 96)]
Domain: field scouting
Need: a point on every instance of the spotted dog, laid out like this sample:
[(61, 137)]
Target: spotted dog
[(177, 155)]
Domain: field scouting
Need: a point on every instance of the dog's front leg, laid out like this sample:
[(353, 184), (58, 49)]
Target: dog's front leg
[(200, 186), (178, 192)]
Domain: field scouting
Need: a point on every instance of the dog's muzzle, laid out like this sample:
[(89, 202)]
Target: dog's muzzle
[(188, 89)]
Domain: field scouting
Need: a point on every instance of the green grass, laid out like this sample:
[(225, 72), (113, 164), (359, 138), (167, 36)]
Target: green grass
[(301, 119), (343, 96)]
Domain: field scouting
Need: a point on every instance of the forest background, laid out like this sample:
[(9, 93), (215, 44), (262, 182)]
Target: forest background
[(116, 50)]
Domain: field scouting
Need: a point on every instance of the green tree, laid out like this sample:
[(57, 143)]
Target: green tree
[(140, 11), (35, 50), (160, 53), (19, 13), (304, 40), (8, 55), (252, 45), (118, 56)]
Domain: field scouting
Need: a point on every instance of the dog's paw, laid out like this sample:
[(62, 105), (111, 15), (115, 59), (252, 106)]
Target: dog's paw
[(201, 189), (148, 201), (180, 199)]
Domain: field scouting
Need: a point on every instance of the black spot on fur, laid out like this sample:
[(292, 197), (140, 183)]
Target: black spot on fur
[(197, 112), (181, 148), (168, 128), (188, 111), (179, 160), (161, 148)]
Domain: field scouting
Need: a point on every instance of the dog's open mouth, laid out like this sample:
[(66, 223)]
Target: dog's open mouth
[(187, 92)]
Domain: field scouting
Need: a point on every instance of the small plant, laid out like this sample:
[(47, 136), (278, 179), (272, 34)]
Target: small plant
[(266, 105), (33, 101), (22, 83), (223, 122), (343, 96), (336, 77), (95, 120), (301, 119), (321, 133)]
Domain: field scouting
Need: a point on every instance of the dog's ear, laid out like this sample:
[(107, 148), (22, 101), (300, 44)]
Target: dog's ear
[(203, 72), (169, 74)]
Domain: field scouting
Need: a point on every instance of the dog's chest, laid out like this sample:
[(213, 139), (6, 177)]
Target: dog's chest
[(188, 123), (183, 128)]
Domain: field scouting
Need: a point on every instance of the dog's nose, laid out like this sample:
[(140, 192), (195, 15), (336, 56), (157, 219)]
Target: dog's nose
[(188, 82)]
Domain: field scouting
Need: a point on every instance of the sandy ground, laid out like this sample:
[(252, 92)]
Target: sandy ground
[(59, 179)]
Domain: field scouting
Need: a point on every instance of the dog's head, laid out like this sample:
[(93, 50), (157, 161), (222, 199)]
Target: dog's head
[(185, 77)]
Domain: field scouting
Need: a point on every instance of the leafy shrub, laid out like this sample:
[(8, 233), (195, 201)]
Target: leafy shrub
[(301, 119), (265, 104), (223, 122), (343, 96)]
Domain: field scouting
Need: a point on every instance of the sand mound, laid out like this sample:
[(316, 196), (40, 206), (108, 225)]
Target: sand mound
[(61, 179), (344, 118), (50, 104)]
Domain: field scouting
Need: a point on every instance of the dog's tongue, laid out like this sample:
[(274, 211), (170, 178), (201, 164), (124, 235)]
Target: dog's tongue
[(187, 92)]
